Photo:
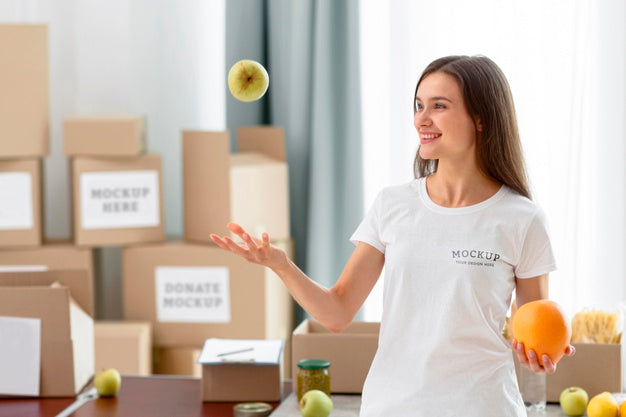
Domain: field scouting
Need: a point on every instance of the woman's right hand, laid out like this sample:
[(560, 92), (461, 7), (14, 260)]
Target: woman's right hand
[(258, 251)]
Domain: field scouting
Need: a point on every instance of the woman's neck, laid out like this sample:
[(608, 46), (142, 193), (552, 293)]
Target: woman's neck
[(460, 187)]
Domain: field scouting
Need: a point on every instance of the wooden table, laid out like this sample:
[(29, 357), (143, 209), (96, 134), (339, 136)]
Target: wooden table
[(168, 396), (152, 396)]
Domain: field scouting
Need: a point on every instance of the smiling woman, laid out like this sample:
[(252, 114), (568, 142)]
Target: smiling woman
[(569, 88), (455, 242), (459, 105)]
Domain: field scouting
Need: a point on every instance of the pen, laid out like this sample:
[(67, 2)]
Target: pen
[(235, 351)]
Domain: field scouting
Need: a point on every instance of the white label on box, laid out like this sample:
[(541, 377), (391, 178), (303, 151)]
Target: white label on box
[(23, 268), (16, 201), (119, 199), (20, 355), (192, 294)]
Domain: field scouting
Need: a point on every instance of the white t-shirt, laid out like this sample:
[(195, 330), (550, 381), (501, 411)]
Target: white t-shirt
[(449, 275)]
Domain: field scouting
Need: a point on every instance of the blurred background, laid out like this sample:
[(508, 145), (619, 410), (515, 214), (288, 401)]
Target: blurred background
[(342, 79)]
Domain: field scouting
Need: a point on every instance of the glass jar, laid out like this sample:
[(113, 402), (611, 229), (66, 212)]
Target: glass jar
[(313, 374), (533, 389)]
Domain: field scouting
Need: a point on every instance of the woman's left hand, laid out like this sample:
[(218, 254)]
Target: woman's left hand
[(543, 365)]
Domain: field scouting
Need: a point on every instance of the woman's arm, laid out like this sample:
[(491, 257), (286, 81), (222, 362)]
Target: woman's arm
[(531, 289), (335, 307), (527, 290)]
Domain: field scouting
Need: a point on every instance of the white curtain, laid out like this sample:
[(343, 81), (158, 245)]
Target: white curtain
[(566, 63)]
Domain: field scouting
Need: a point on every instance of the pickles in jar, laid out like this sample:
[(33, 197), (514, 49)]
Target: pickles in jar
[(313, 374)]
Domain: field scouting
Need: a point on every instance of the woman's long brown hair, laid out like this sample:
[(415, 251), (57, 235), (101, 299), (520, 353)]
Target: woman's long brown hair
[(487, 98)]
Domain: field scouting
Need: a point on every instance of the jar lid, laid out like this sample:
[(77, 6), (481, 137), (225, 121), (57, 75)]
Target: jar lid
[(313, 364), (252, 410)]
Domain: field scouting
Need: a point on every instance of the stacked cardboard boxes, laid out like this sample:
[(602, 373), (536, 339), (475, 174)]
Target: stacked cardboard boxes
[(24, 140), (175, 294), (117, 200), (46, 292), (194, 290), (249, 187), (116, 189)]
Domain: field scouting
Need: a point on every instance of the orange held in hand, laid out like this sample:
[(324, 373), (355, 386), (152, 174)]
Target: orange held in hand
[(543, 327)]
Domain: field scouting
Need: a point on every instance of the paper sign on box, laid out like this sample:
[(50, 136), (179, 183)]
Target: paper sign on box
[(16, 201), (119, 199), (22, 268), (192, 294), (20, 202), (260, 306), (20, 356)]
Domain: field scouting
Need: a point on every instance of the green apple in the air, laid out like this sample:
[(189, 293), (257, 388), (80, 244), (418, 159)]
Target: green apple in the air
[(248, 80), (108, 382), (315, 403), (574, 401)]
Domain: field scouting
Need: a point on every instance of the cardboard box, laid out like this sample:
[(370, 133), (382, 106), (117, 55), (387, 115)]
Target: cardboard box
[(24, 107), (192, 292), (125, 346), (73, 264), (595, 368), (118, 136), (177, 361), (67, 338), (350, 352), (247, 376), (241, 382), (117, 201), (52, 255), (20, 200), (249, 187), (78, 281), (183, 361)]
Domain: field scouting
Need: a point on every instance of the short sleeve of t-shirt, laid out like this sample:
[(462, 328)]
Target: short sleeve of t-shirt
[(369, 229), (537, 257)]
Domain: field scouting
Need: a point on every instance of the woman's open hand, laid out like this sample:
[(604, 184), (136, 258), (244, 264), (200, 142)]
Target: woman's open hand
[(545, 365), (255, 250)]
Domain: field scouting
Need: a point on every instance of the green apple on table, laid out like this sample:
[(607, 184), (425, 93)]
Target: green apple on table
[(248, 80), (574, 401), (108, 382), (315, 403)]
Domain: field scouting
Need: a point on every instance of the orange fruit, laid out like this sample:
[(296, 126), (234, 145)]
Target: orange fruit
[(602, 405), (543, 327), (622, 409)]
